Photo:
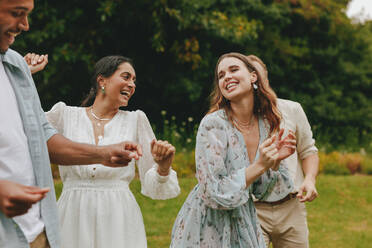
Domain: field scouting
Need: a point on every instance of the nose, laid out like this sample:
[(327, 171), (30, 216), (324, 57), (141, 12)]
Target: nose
[(132, 85), (23, 25), (227, 77)]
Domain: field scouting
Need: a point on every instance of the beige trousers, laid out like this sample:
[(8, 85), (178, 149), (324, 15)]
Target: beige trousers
[(41, 241), (284, 224)]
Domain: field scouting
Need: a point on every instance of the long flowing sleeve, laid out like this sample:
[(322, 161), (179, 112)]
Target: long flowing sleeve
[(221, 188), (152, 184)]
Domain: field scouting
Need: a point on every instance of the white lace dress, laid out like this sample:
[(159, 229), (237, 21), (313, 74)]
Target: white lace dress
[(96, 207)]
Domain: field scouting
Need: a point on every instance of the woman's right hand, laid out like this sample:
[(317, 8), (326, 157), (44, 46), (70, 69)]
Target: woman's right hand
[(268, 154), (163, 154)]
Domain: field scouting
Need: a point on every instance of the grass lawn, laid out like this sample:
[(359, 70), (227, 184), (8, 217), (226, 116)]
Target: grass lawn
[(341, 217)]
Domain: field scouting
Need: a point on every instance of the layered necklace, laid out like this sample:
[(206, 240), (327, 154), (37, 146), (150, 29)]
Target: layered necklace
[(245, 127), (97, 118)]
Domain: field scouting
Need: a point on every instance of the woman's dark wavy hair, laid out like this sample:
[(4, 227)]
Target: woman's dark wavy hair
[(105, 67), (264, 97)]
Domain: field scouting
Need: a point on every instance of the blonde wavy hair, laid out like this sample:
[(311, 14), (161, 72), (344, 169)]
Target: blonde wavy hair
[(265, 105)]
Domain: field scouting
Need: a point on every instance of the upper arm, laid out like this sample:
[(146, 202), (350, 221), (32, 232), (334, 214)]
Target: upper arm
[(305, 141)]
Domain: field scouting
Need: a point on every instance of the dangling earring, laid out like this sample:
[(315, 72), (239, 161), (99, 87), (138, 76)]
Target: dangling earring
[(103, 89), (255, 87)]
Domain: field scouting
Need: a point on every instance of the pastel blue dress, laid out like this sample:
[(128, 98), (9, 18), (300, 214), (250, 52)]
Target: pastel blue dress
[(219, 212)]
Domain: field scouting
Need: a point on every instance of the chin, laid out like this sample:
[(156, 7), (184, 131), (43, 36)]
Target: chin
[(124, 104)]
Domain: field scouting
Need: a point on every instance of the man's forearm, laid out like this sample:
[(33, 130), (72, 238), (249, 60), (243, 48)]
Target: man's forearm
[(310, 166), (63, 151)]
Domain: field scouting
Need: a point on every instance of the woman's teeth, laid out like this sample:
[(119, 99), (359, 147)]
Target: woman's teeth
[(230, 85), (124, 93)]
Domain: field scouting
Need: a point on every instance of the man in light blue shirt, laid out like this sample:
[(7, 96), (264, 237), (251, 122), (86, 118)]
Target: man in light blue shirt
[(28, 216)]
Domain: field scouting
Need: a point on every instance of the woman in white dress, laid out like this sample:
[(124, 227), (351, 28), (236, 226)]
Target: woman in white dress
[(96, 207)]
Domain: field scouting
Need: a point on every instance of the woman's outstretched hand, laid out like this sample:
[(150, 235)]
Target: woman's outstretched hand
[(163, 154)]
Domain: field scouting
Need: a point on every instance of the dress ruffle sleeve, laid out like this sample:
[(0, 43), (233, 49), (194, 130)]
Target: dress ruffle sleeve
[(152, 184), (55, 116)]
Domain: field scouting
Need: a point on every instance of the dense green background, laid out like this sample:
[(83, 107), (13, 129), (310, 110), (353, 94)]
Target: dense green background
[(315, 55)]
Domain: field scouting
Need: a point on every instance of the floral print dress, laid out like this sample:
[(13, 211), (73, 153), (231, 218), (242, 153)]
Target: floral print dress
[(219, 212)]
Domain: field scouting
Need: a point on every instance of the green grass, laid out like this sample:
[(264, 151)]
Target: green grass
[(341, 216)]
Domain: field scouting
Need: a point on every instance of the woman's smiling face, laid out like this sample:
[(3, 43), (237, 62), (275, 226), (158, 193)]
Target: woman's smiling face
[(234, 78), (120, 87)]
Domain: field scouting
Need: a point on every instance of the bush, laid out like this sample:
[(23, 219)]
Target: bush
[(344, 163), (353, 162), (366, 167), (336, 169), (332, 164)]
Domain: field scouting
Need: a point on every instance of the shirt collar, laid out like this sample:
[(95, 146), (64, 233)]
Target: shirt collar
[(10, 57)]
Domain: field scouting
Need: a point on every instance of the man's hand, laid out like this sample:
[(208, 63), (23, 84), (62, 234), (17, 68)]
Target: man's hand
[(16, 199), (163, 154), (307, 191), (286, 146), (36, 62), (121, 154)]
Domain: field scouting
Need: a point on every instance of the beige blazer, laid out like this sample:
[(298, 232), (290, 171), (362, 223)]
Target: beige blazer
[(294, 118)]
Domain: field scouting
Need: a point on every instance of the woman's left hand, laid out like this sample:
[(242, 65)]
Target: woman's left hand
[(287, 146), (163, 154), (36, 62)]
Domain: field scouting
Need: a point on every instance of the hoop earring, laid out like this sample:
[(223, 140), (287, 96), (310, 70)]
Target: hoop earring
[(103, 89)]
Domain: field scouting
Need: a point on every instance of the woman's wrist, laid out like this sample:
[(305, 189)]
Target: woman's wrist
[(261, 168), (163, 171)]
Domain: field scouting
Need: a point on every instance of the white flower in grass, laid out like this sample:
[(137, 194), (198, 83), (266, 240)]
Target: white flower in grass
[(173, 118), (190, 119), (188, 140), (163, 112)]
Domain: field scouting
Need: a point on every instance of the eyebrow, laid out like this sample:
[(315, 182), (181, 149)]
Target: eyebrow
[(22, 8), (233, 66)]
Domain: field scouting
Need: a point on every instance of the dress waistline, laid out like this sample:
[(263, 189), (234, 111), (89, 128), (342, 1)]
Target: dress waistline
[(95, 184)]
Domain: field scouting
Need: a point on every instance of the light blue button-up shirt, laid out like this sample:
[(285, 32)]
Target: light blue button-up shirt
[(38, 131)]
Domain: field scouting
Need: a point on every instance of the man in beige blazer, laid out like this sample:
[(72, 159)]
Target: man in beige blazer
[(284, 222)]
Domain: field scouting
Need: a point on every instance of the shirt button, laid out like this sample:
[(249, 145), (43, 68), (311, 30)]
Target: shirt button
[(100, 137), (92, 175), (94, 168)]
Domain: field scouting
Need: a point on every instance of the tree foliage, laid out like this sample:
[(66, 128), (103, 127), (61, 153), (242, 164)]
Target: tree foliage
[(314, 54)]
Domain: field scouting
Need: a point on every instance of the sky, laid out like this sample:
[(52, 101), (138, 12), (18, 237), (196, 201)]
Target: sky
[(360, 10)]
